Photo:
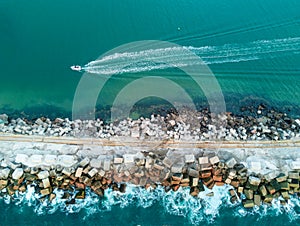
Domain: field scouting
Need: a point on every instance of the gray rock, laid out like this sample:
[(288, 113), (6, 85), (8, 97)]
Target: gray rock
[(69, 149), (17, 129), (271, 175)]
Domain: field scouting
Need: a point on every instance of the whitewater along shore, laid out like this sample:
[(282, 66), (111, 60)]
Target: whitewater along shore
[(259, 170)]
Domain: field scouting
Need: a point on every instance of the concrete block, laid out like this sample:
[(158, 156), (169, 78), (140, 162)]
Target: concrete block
[(214, 160), (50, 160), (118, 160), (167, 162), (254, 180), (17, 174), (106, 165), (128, 158), (96, 163), (4, 173), (189, 158), (35, 160), (43, 174), (203, 160), (46, 183), (66, 160), (84, 162), (92, 172), (21, 158), (231, 162), (78, 172)]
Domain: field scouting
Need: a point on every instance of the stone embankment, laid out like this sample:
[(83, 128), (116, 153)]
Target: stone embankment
[(258, 156), (257, 175), (188, 125)]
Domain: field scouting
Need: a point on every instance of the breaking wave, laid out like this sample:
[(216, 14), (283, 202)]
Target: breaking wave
[(205, 208), (155, 59)]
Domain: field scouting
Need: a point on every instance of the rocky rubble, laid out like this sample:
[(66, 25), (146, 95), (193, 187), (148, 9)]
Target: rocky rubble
[(188, 125)]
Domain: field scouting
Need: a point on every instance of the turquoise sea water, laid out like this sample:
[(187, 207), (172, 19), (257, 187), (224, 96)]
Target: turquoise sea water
[(40, 40), (140, 207)]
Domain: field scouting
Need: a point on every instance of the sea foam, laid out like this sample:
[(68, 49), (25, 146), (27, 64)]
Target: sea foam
[(180, 203)]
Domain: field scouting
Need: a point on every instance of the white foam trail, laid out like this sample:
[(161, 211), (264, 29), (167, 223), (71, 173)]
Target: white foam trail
[(153, 59)]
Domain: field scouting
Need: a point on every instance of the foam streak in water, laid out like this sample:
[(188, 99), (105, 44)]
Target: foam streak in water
[(204, 209), (149, 59)]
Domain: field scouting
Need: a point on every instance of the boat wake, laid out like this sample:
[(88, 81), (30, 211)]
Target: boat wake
[(155, 59)]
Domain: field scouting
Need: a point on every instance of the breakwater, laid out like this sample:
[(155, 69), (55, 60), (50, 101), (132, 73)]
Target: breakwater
[(256, 174), (255, 124), (80, 155)]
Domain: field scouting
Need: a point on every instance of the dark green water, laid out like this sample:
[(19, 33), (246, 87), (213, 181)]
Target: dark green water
[(40, 40)]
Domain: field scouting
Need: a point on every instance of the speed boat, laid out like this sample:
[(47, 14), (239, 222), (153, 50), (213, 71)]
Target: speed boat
[(76, 68)]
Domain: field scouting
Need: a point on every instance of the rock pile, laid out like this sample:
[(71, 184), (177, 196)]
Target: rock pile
[(188, 125), (146, 169)]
